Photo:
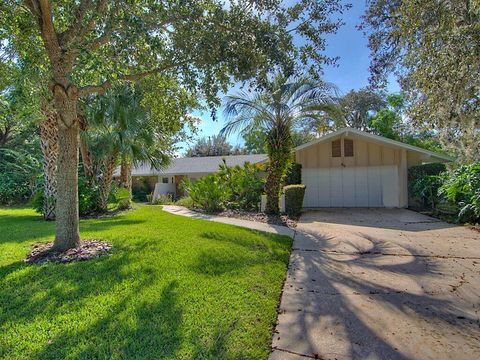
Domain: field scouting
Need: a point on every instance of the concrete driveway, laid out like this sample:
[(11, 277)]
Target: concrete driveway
[(380, 284)]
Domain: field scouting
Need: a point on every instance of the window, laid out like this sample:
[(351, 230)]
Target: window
[(165, 180), (337, 148), (348, 147)]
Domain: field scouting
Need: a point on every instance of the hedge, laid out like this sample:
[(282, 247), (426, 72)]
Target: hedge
[(294, 199), (294, 175)]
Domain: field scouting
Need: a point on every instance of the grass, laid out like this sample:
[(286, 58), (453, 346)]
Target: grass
[(173, 288)]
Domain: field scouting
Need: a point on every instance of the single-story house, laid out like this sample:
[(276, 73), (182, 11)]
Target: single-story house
[(168, 179), (346, 168)]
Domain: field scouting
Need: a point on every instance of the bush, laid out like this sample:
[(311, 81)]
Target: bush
[(424, 182), (294, 199), (209, 193), (462, 189), (294, 175), (185, 202), (163, 199), (87, 197), (245, 185), (19, 175)]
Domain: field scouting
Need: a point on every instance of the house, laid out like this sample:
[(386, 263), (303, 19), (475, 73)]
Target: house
[(167, 180), (352, 168), (346, 168)]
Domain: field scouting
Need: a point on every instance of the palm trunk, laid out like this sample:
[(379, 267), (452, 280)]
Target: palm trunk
[(106, 181), (86, 158), (279, 145), (49, 146), (126, 175)]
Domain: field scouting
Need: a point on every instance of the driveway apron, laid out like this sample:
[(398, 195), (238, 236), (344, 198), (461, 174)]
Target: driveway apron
[(380, 284)]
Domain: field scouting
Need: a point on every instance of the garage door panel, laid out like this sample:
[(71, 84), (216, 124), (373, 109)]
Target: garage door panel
[(309, 177), (361, 187), (336, 188), (373, 186), (323, 188), (348, 187)]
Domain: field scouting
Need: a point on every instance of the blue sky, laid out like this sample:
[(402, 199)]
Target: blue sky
[(351, 72)]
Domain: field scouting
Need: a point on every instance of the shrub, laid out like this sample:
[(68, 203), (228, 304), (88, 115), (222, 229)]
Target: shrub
[(124, 204), (462, 188), (185, 202), (19, 175), (294, 175), (87, 197), (245, 185), (208, 193), (163, 199), (424, 182), (294, 199)]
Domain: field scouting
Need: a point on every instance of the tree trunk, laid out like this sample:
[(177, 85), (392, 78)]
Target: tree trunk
[(106, 181), (273, 187), (126, 176), (67, 231), (279, 146), (49, 146), (67, 234), (86, 158)]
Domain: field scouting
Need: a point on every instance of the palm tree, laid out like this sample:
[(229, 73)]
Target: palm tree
[(284, 106), (121, 132)]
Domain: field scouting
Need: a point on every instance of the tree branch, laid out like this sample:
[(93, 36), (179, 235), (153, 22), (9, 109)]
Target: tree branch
[(101, 88), (71, 32)]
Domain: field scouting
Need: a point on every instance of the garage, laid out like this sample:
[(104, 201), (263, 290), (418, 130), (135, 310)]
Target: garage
[(375, 186), (352, 168)]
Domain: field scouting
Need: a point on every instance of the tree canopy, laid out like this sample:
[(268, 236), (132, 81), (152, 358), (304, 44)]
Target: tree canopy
[(434, 49), (216, 145)]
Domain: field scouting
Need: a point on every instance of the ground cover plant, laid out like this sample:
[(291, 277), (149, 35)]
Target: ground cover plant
[(172, 288)]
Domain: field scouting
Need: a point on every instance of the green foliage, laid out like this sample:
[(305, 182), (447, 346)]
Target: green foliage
[(19, 173), (142, 301), (186, 201), (294, 174), (209, 193), (163, 199), (294, 195), (245, 185), (216, 145), (142, 189), (286, 105), (432, 47), (462, 188), (424, 182)]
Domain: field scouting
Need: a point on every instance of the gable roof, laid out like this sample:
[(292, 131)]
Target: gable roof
[(378, 139), (199, 165)]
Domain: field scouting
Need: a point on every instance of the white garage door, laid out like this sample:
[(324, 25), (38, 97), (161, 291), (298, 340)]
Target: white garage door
[(372, 186)]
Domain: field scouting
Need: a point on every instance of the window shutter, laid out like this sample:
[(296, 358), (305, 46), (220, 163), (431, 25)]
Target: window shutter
[(348, 147), (337, 148)]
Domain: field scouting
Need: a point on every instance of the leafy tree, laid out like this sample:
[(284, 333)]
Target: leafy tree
[(88, 46), (281, 108), (357, 107), (126, 127), (433, 47), (216, 145), (392, 122)]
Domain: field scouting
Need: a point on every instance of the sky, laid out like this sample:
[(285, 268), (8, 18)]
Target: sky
[(351, 72)]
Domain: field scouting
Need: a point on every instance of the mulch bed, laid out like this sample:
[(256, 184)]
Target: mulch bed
[(88, 249), (282, 220)]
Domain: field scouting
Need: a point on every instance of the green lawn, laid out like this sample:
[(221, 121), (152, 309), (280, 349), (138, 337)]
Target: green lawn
[(173, 288)]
